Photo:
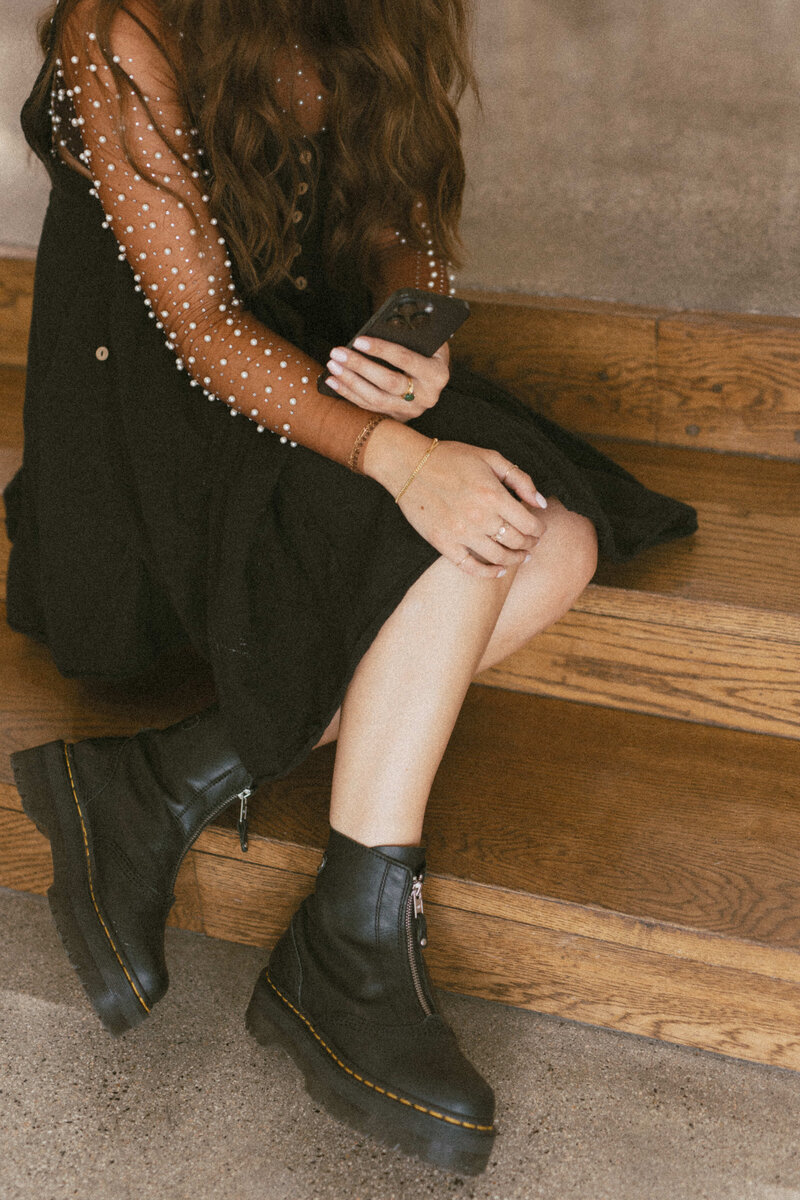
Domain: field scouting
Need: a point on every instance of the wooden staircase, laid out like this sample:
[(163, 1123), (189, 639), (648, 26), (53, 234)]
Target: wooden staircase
[(614, 833)]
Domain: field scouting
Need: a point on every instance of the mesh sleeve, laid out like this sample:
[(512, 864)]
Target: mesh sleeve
[(397, 265), (160, 216)]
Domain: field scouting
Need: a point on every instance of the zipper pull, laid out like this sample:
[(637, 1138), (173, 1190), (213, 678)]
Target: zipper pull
[(241, 824), (419, 911)]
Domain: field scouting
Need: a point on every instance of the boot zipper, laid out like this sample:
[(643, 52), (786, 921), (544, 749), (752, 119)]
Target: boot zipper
[(416, 925), (241, 824), (242, 797)]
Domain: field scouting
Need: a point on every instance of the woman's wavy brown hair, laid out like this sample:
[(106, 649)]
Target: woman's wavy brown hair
[(395, 71)]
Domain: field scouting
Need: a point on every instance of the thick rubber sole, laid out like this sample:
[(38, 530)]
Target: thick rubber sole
[(364, 1105), (44, 780)]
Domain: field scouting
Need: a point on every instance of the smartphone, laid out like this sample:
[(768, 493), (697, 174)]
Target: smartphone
[(419, 320)]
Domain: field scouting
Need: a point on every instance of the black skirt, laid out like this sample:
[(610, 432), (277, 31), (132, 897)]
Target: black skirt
[(143, 515)]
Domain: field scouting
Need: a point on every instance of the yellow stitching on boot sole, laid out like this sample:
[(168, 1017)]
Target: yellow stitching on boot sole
[(431, 1112), (91, 886)]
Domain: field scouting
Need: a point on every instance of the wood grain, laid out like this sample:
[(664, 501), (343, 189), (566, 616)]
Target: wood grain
[(717, 380), (38, 704), (591, 371), (713, 1008), (25, 862), (727, 1010), (729, 383), (748, 683), (689, 826), (624, 644), (16, 295)]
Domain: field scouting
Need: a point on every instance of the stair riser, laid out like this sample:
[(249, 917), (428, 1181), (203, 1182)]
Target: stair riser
[(718, 678), (720, 1008), (707, 380)]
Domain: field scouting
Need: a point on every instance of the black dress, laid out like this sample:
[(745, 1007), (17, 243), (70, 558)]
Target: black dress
[(143, 516)]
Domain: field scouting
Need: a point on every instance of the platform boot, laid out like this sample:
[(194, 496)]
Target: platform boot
[(120, 814), (347, 994)]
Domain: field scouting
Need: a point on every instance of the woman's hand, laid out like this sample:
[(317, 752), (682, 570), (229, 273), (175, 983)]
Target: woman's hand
[(469, 503), (380, 389)]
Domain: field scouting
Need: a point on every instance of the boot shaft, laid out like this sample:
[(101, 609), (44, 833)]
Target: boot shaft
[(360, 932)]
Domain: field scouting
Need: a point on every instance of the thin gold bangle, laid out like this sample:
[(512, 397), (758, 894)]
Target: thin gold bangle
[(417, 469), (358, 444)]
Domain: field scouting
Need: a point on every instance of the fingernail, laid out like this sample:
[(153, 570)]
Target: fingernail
[(501, 573), (335, 367), (334, 383), (540, 500), (339, 355), (361, 344), (527, 558)]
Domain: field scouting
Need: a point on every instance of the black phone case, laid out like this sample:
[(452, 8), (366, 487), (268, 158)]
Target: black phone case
[(419, 320)]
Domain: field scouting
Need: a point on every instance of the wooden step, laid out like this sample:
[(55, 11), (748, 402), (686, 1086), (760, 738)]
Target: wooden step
[(719, 381), (611, 868), (706, 629)]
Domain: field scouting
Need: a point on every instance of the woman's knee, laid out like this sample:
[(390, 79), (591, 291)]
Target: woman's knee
[(570, 546), (578, 548)]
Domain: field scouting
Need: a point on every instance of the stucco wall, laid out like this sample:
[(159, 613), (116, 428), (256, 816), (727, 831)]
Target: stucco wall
[(647, 153)]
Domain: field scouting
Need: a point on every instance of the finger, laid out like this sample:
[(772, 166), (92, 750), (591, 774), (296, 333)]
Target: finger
[(494, 552), (400, 410), (393, 382), (353, 387), (518, 481), (408, 361), (470, 566), (529, 521), (347, 393), (510, 537)]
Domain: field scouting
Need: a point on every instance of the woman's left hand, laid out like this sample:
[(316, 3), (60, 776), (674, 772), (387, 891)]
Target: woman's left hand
[(381, 390)]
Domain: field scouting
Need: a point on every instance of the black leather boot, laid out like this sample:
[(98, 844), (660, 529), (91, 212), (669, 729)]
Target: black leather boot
[(120, 814), (346, 993)]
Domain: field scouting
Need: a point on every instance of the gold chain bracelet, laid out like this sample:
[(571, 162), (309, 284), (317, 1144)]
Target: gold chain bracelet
[(358, 444), (417, 469)]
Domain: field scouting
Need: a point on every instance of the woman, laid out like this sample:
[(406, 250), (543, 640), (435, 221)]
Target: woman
[(235, 188)]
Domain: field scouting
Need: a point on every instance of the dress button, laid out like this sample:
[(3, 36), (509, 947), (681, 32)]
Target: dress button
[(302, 188), (297, 215), (305, 156), (102, 353), (301, 283)]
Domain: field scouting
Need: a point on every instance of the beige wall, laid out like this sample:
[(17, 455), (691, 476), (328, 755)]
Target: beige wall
[(640, 152)]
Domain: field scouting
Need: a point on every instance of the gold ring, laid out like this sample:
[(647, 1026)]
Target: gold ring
[(409, 392)]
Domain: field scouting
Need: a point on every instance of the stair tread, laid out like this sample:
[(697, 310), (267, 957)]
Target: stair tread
[(668, 822), (746, 553)]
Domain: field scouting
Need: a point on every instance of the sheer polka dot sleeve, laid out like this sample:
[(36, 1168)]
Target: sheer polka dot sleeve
[(399, 265), (159, 214)]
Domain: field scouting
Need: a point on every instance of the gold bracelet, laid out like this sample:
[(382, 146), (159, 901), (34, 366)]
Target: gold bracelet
[(358, 444), (417, 469)]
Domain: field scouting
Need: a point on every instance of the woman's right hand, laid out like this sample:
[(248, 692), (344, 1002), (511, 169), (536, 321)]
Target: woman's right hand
[(466, 501)]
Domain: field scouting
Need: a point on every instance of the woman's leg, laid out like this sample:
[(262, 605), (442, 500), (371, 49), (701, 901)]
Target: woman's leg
[(406, 694), (540, 592), (346, 990)]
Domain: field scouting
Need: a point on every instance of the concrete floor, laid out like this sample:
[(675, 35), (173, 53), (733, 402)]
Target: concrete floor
[(647, 153), (187, 1107)]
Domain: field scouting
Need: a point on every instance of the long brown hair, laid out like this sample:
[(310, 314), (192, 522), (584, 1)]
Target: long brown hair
[(395, 71)]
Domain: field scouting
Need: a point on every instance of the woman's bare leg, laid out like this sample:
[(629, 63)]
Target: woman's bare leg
[(541, 592), (407, 691)]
